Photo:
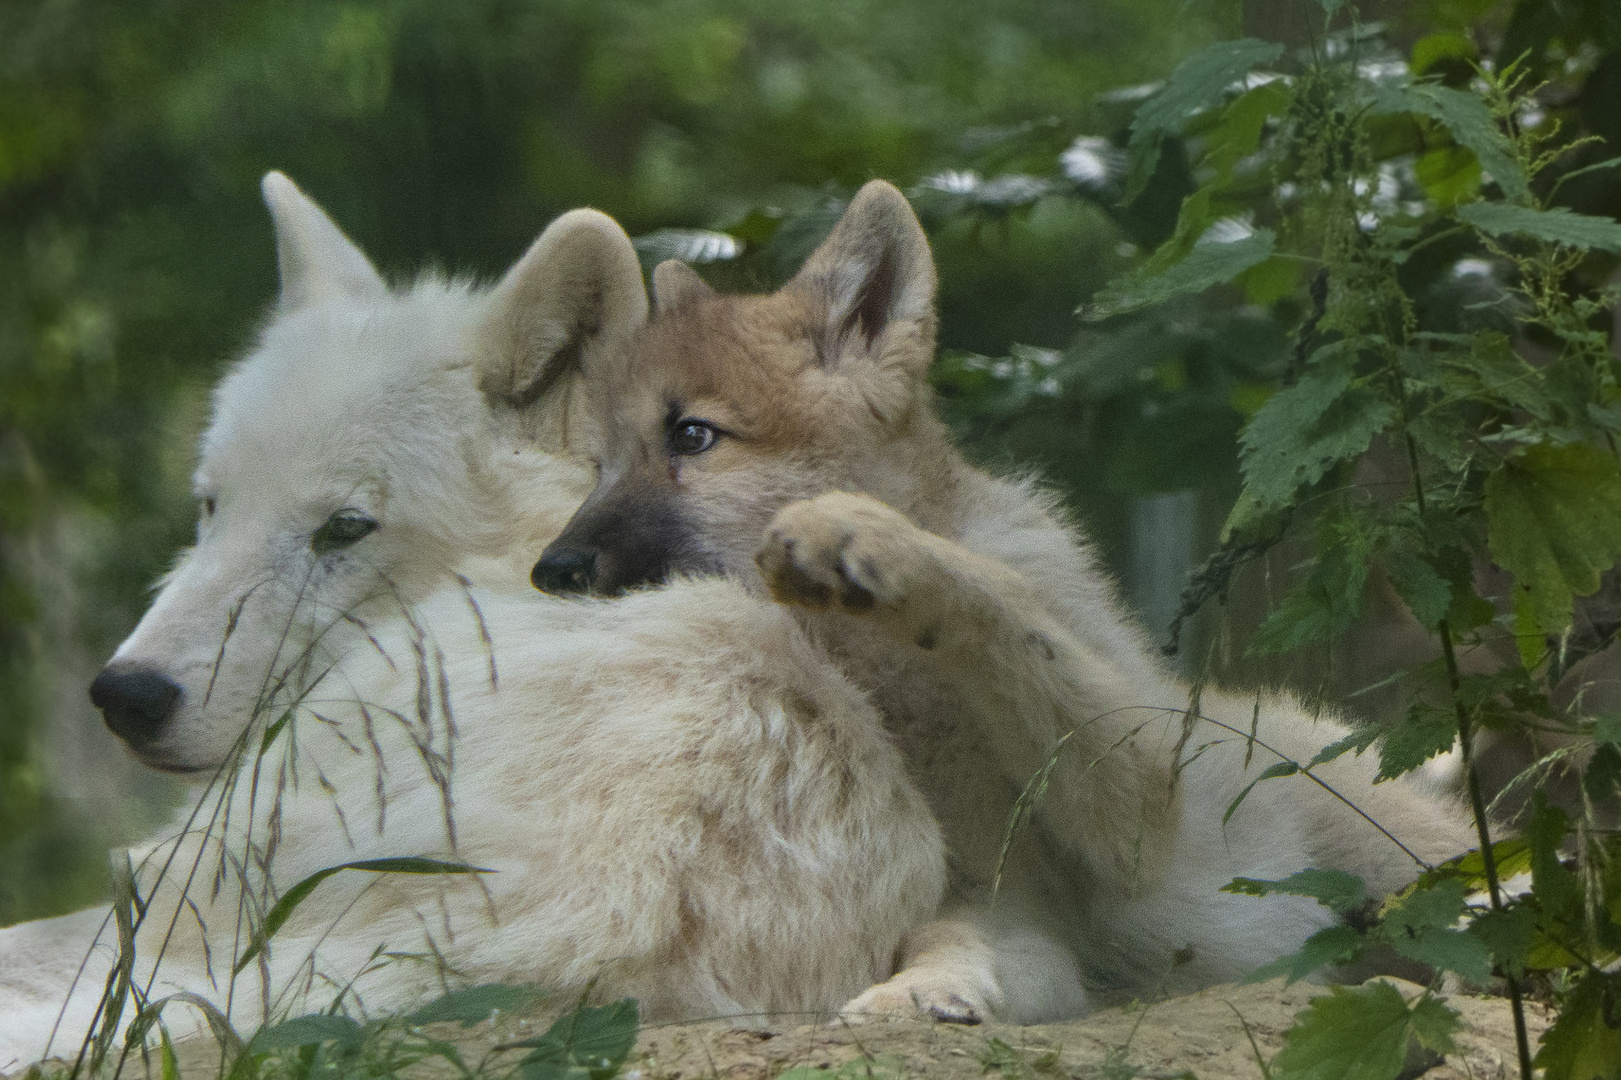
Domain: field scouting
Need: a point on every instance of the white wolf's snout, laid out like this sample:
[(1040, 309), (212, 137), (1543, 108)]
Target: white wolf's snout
[(135, 702)]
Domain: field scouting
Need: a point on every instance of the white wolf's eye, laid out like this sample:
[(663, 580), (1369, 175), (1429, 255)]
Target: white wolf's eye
[(208, 506), (340, 530), (689, 437)]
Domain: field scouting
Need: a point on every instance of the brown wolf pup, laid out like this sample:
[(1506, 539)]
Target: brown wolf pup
[(981, 623)]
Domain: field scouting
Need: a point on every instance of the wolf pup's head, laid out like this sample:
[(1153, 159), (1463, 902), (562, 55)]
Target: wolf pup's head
[(372, 443), (725, 408)]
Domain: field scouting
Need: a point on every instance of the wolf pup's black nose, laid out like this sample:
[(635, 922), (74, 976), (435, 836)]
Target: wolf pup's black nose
[(564, 568), (134, 702)]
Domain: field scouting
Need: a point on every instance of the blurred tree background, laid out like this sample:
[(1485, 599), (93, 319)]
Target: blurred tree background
[(136, 259)]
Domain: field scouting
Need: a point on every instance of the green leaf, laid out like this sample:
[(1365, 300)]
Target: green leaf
[(589, 1043), (1511, 857), (1239, 132), (1507, 934), (1558, 891), (1360, 1033), (1470, 120), (1359, 740), (1282, 768), (1607, 728), (1434, 1023), (1305, 430), (307, 1031), (1424, 732), (1449, 175), (1211, 261), (1334, 889), (1602, 777), (1427, 594), (1420, 926), (273, 730), (296, 895), (1332, 945), (1585, 1043), (475, 1004), (1330, 599), (1197, 83), (1554, 522), (170, 1065), (1491, 368), (1556, 225)]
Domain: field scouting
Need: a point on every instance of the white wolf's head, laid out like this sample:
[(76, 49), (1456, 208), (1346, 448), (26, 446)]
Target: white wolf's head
[(374, 444)]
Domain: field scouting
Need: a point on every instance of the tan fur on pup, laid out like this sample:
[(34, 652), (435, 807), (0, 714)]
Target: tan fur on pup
[(981, 623)]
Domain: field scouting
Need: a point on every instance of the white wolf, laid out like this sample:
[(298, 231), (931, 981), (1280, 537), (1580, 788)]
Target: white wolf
[(678, 796)]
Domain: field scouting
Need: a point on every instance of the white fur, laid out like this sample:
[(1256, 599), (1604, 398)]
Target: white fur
[(678, 794)]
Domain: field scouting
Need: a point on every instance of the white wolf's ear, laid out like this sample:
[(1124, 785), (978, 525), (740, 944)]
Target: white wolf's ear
[(676, 284), (875, 277), (580, 282), (316, 261)]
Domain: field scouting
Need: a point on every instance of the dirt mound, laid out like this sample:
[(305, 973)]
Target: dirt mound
[(1209, 1034), (1216, 1034)]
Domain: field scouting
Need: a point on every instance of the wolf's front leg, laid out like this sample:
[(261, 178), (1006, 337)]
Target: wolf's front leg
[(851, 553), (946, 972), (1026, 681)]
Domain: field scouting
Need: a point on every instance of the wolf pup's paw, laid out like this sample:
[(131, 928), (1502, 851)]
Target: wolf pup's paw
[(845, 552)]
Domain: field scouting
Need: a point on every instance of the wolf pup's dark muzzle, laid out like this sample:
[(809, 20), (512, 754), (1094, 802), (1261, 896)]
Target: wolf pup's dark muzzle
[(564, 568)]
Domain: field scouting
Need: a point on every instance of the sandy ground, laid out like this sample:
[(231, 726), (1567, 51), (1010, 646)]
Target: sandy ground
[(1207, 1035)]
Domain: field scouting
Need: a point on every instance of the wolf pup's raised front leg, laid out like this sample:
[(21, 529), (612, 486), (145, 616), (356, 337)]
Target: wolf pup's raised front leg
[(982, 629)]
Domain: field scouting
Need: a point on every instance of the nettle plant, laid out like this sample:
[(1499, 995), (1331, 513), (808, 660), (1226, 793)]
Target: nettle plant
[(1463, 451)]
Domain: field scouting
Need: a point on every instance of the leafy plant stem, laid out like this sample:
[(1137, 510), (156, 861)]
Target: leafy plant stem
[(1477, 803)]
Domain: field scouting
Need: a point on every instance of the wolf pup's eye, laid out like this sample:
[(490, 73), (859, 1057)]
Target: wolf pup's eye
[(692, 437), (341, 530)]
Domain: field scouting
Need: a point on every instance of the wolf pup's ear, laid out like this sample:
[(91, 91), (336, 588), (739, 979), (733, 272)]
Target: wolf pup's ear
[(315, 260), (675, 284), (578, 284), (874, 278)]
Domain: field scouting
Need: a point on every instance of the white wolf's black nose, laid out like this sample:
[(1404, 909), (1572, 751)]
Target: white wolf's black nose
[(135, 702)]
